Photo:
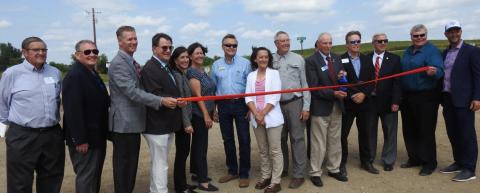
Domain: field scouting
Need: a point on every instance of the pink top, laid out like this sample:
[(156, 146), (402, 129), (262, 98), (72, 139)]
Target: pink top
[(260, 100)]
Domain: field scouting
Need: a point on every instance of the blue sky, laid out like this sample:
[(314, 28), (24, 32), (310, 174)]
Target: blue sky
[(61, 23)]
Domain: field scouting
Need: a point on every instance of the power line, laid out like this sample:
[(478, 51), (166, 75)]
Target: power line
[(94, 21)]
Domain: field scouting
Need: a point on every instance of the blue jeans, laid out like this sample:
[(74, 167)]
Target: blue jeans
[(228, 111)]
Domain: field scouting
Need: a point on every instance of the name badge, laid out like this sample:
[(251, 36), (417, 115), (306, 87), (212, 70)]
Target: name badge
[(49, 80), (324, 68), (345, 60), (221, 68)]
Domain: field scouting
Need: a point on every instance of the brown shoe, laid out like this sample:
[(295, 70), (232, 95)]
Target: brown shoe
[(227, 178), (262, 184), (295, 183), (273, 188), (243, 182)]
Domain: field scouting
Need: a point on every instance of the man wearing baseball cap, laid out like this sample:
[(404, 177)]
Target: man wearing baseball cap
[(461, 98)]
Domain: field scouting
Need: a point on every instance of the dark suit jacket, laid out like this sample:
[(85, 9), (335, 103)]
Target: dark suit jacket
[(367, 72), (465, 76), (85, 105), (388, 91), (156, 80), (322, 100)]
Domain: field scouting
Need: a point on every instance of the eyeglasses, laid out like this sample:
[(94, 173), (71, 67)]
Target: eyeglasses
[(284, 41), (166, 48), (38, 50), (88, 52), (230, 45), (418, 36), (385, 41), (355, 42)]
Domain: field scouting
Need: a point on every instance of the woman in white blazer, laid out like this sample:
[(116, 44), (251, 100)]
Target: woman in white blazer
[(266, 118)]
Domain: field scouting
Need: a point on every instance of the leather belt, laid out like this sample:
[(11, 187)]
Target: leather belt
[(290, 100)]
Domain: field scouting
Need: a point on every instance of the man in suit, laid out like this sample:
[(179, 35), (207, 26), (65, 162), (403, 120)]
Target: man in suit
[(358, 104), (85, 117), (157, 78), (461, 98), (127, 110), (386, 98), (322, 69)]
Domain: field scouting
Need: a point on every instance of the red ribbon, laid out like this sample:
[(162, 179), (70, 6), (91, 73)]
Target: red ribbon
[(234, 96)]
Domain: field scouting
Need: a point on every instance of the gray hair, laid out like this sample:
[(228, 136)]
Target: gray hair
[(79, 43), (279, 33), (417, 28), (324, 34), (378, 34), (27, 41)]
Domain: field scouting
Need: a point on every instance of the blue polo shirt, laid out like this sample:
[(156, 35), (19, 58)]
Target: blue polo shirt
[(428, 55)]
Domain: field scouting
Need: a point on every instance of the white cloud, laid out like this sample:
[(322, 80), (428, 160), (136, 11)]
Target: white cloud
[(290, 11), (103, 5), (118, 20), (204, 7), (258, 35), (4, 23), (338, 34), (194, 28)]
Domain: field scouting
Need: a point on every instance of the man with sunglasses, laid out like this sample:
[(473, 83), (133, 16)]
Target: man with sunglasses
[(230, 75), (358, 104), (85, 118), (386, 98), (127, 117), (29, 105), (420, 101), (461, 98)]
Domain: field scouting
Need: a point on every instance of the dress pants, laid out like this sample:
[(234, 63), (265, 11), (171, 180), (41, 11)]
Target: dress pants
[(198, 157), (32, 150), (159, 146), (295, 129), (228, 112), (325, 142), (182, 144), (460, 123), (419, 120), (269, 147), (389, 122), (367, 134), (126, 149), (88, 168)]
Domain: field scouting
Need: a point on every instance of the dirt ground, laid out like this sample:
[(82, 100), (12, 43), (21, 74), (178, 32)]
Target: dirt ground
[(399, 180)]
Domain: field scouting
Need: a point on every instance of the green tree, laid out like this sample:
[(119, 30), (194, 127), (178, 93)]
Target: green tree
[(102, 64), (60, 66), (9, 56)]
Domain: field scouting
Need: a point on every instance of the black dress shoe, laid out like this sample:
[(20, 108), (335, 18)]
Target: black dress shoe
[(210, 188), (425, 171), (339, 176), (369, 168), (343, 170), (409, 164), (387, 167), (317, 181)]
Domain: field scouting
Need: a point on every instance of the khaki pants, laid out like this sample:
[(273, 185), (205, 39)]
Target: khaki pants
[(325, 142), (269, 146)]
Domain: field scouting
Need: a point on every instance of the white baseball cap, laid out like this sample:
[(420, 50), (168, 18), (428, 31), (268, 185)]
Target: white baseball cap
[(452, 24)]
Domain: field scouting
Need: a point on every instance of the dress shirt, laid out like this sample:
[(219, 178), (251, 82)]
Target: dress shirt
[(427, 55), (291, 67), (356, 64), (449, 61), (30, 97), (230, 78), (165, 66), (374, 59)]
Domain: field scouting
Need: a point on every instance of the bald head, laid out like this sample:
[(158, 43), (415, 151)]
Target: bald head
[(324, 43)]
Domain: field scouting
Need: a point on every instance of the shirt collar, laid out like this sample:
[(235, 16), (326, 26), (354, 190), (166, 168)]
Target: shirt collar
[(233, 59), (161, 62), (323, 55), (458, 46), (380, 55), (30, 66), (127, 56), (352, 58)]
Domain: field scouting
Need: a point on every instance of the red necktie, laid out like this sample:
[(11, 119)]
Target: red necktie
[(137, 68), (331, 70), (377, 67)]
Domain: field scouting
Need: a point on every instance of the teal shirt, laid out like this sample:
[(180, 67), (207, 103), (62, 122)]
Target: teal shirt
[(428, 55)]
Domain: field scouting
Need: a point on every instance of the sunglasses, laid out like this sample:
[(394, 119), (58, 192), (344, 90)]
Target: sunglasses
[(88, 52), (166, 48), (230, 45), (355, 42), (419, 36), (385, 41)]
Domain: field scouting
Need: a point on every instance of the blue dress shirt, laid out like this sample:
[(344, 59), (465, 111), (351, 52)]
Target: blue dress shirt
[(230, 78)]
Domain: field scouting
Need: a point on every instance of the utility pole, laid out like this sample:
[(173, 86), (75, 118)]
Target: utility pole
[(94, 20)]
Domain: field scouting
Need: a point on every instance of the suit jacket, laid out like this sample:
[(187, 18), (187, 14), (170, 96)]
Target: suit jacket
[(128, 99), (322, 101), (85, 106), (367, 72), (465, 76), (185, 91), (388, 91), (156, 80)]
